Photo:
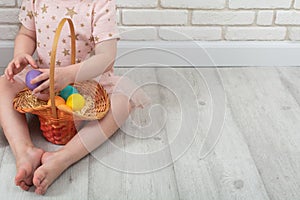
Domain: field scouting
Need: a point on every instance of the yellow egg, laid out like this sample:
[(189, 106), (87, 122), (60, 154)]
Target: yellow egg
[(58, 101), (76, 102)]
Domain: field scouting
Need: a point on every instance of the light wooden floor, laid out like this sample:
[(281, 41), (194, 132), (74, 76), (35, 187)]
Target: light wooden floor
[(257, 156)]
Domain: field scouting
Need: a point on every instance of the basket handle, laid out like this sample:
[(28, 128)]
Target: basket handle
[(53, 58)]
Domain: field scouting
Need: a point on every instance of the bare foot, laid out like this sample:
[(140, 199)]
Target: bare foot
[(53, 165), (26, 164)]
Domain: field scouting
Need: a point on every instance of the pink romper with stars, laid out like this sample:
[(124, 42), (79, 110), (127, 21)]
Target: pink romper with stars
[(94, 22)]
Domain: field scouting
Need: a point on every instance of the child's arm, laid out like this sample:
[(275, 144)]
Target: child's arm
[(102, 61), (24, 48)]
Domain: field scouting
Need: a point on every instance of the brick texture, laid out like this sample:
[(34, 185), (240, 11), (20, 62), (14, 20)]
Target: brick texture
[(190, 19), (294, 33), (7, 3), (8, 32), (235, 4), (255, 33), (9, 15), (265, 17), (223, 18), (137, 3), (154, 17), (288, 18), (297, 4), (138, 33), (190, 33), (194, 4)]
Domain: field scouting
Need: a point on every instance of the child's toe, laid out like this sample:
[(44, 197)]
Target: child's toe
[(40, 190), (21, 175), (38, 178), (44, 183), (24, 186)]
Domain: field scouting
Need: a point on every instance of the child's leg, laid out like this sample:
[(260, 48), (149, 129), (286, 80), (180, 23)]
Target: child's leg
[(89, 138), (16, 131)]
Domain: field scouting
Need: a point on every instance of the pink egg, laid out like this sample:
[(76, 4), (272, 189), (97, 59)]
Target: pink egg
[(31, 75)]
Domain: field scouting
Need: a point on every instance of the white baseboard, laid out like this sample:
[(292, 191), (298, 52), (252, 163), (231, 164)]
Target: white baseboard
[(202, 54)]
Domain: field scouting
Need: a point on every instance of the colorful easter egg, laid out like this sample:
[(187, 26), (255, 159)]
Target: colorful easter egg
[(76, 102), (65, 108), (31, 75), (67, 91), (58, 101)]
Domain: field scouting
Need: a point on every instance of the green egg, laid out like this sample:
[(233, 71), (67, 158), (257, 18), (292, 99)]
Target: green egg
[(67, 91)]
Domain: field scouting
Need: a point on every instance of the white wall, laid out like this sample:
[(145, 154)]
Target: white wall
[(209, 20)]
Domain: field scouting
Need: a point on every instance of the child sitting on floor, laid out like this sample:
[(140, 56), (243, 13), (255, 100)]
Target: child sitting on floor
[(96, 31)]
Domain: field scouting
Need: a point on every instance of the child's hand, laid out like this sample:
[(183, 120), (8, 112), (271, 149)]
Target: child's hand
[(63, 77), (18, 64)]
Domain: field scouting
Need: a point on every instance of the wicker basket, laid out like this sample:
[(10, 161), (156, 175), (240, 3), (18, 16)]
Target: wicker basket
[(57, 123)]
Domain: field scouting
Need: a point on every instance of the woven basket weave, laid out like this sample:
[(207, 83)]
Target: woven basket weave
[(57, 123)]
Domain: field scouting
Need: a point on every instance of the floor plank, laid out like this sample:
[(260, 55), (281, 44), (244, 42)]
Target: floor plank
[(268, 116), (290, 78), (132, 169), (229, 172)]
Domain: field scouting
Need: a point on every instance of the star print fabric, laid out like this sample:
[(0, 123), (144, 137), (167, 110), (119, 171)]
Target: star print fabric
[(94, 21)]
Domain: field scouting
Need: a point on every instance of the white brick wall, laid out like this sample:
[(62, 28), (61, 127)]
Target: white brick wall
[(7, 3), (154, 17), (294, 33), (8, 32), (191, 19), (255, 33), (137, 3), (138, 33), (235, 4), (194, 4), (223, 18), (8, 15), (297, 4), (288, 18), (190, 33), (265, 17)]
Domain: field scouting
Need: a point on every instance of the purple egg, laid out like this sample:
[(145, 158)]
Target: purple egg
[(31, 75)]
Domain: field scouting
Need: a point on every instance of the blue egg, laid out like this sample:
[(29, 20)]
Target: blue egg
[(67, 91)]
